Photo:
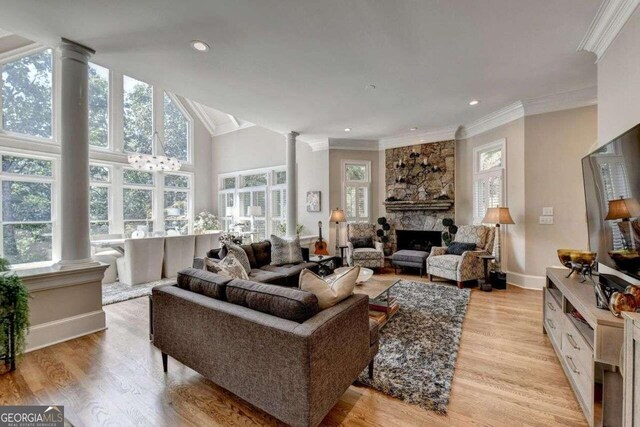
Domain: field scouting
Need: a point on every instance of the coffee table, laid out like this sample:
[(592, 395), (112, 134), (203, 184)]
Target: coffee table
[(379, 291)]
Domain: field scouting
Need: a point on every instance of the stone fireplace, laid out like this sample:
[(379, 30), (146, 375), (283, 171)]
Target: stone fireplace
[(418, 240), (420, 191)]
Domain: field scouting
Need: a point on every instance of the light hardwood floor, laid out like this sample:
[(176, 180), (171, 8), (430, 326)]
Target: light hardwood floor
[(507, 374)]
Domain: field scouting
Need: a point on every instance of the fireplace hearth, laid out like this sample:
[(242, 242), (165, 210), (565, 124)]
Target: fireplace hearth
[(418, 240)]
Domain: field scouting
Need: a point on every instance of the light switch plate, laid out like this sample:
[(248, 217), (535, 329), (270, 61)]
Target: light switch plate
[(546, 220), (548, 211)]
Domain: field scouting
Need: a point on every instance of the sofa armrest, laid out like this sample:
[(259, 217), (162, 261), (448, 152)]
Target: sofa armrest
[(437, 250)]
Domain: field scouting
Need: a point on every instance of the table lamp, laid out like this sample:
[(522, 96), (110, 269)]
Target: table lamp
[(623, 209), (498, 216), (337, 216)]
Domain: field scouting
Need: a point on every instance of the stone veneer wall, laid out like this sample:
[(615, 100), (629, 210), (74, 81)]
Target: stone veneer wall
[(420, 187)]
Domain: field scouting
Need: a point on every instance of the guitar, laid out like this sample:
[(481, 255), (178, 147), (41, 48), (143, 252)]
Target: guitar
[(321, 245)]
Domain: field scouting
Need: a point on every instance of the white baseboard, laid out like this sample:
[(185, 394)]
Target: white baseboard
[(57, 331), (525, 281)]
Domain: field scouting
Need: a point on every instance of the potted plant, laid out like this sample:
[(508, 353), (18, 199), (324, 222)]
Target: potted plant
[(450, 232), (206, 221), (14, 315), (383, 234)]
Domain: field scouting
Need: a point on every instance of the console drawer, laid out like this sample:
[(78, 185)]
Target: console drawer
[(574, 344), (553, 318)]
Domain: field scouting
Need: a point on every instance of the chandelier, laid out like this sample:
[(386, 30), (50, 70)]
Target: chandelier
[(151, 163)]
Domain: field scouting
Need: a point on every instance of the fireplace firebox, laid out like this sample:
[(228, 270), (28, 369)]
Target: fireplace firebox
[(418, 240)]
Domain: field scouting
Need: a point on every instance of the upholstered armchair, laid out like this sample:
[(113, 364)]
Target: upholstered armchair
[(467, 266), (364, 257)]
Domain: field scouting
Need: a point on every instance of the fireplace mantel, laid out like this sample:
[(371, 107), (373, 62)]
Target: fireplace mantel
[(421, 205)]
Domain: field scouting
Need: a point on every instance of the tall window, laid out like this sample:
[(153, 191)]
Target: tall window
[(264, 188), (27, 206), (137, 200), (26, 95), (138, 116), (356, 177), (177, 129), (177, 203), (488, 178), (100, 197), (98, 106)]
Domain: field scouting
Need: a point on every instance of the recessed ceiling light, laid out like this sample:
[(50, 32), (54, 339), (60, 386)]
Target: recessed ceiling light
[(200, 46), (371, 86), (474, 102), (347, 129), (414, 128)]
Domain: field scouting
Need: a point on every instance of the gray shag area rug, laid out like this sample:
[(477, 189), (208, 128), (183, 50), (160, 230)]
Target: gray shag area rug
[(419, 345), (118, 292)]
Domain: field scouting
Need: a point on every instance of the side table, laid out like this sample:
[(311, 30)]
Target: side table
[(343, 256), (486, 286), (326, 264)]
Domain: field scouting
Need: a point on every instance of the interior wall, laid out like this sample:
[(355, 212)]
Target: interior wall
[(513, 236), (257, 147), (555, 145)]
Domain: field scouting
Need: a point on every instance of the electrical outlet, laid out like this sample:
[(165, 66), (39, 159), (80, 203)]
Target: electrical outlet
[(548, 211), (546, 220)]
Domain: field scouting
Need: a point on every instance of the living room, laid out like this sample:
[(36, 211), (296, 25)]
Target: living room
[(366, 213)]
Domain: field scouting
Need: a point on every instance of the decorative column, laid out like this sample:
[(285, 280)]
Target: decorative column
[(292, 195), (74, 143)]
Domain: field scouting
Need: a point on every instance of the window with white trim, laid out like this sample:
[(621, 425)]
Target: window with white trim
[(26, 97), (356, 178), (137, 116), (138, 194), (265, 188), (177, 129), (100, 199), (177, 202), (98, 106), (27, 208), (489, 165)]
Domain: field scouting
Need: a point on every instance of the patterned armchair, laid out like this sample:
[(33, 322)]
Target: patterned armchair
[(467, 266), (364, 257)]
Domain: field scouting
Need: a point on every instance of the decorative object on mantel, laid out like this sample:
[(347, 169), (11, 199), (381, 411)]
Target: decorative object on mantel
[(498, 216), (452, 229), (159, 163), (383, 234), (14, 316), (406, 205), (314, 201), (577, 261), (337, 216)]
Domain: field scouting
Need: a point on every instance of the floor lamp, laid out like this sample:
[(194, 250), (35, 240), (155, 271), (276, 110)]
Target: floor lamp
[(498, 216), (337, 216)]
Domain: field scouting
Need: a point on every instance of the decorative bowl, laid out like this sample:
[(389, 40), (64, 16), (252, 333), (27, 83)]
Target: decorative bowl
[(567, 256), (626, 259), (365, 274)]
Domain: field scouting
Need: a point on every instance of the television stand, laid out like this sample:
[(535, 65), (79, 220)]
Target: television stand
[(587, 341)]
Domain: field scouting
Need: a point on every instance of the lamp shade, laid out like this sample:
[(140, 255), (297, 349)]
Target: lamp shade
[(337, 215), (254, 211), (623, 209), (497, 216)]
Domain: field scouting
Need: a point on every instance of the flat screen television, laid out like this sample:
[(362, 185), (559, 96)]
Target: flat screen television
[(612, 191)]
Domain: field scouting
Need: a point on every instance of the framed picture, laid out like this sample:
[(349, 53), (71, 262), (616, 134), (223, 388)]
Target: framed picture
[(313, 201)]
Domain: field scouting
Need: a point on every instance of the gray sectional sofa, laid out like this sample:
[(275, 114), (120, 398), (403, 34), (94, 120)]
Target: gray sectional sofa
[(262, 271), (269, 345)]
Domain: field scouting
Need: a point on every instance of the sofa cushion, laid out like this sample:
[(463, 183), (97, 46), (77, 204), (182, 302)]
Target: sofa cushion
[(286, 303), (289, 270), (264, 276), (367, 253), (262, 253), (362, 242), (410, 256), (229, 266), (285, 251), (203, 282), (446, 262), (243, 253), (458, 248), (329, 293)]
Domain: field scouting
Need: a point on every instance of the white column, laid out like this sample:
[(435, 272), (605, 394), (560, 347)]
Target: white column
[(292, 195), (74, 142)]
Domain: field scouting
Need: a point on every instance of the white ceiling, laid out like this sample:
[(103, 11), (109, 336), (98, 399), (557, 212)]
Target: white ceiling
[(303, 64)]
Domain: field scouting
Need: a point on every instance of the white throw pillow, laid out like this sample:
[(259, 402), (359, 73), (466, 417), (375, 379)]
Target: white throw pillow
[(329, 294), (229, 266)]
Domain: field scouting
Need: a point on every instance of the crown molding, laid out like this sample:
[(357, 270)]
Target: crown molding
[(497, 118), (609, 20), (201, 114), (561, 101), (416, 138), (316, 145)]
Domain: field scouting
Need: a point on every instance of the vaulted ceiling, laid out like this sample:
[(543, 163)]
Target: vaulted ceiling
[(305, 65)]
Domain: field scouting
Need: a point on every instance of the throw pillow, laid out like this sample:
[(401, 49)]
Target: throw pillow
[(362, 242), (240, 255), (230, 266), (329, 294), (458, 248), (285, 251)]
